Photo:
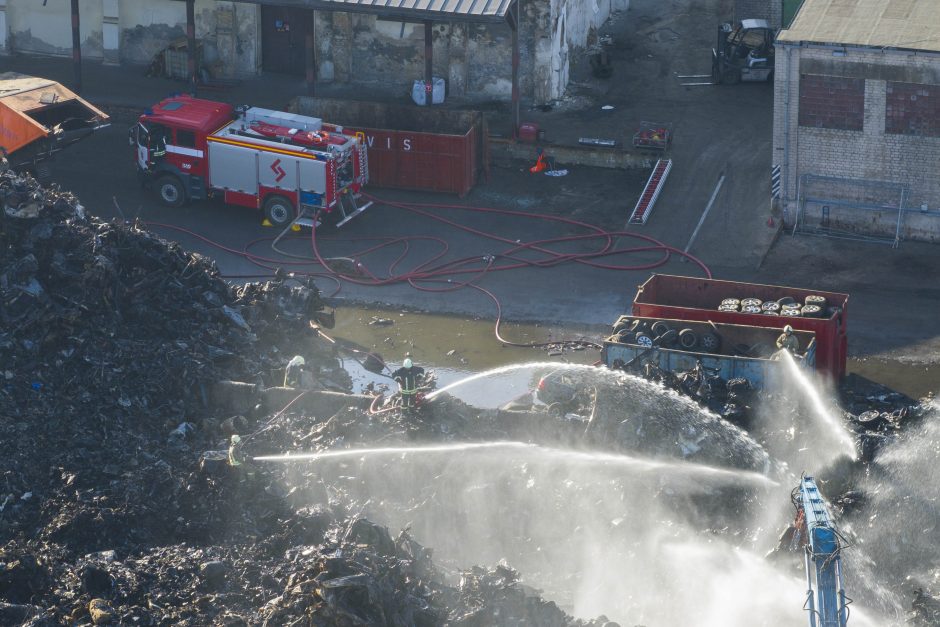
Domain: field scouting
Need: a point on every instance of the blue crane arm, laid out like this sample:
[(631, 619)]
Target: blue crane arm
[(823, 561)]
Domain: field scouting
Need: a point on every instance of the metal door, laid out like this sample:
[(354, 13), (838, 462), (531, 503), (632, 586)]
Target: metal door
[(283, 31)]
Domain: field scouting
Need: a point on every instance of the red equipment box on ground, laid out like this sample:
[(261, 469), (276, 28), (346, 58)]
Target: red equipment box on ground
[(529, 132)]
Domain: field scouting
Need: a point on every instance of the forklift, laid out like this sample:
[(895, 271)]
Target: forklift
[(744, 53)]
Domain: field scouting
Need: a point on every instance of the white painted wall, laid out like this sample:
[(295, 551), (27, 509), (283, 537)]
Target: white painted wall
[(4, 33), (571, 24), (35, 28)]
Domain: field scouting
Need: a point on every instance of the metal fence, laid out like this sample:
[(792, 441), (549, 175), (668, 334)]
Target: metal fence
[(855, 209)]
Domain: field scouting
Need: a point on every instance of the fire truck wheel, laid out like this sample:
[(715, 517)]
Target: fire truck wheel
[(170, 191), (278, 210)]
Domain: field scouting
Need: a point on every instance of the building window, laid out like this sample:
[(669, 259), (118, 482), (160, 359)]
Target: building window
[(832, 102), (912, 109)]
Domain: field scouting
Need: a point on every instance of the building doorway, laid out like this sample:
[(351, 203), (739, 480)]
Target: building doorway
[(283, 31)]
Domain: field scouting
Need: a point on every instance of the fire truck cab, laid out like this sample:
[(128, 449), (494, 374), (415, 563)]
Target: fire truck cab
[(288, 165)]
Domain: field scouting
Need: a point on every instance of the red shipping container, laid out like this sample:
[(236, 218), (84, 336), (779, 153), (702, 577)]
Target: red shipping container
[(688, 298), (410, 147)]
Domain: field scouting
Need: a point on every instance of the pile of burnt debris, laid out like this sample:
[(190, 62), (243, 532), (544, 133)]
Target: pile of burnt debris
[(119, 354), (873, 412)]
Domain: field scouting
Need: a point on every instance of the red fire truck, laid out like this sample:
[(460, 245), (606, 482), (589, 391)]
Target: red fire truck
[(295, 168)]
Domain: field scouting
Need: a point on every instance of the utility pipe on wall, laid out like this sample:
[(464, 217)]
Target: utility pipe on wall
[(310, 54), (428, 63), (76, 48)]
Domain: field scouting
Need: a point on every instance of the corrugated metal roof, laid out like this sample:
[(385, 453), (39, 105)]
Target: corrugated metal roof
[(905, 24), (418, 10)]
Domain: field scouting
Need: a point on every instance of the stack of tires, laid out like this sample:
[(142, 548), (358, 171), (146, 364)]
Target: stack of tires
[(813, 306), (650, 333)]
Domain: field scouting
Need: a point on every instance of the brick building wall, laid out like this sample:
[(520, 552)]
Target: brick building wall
[(912, 109), (832, 102), (897, 141)]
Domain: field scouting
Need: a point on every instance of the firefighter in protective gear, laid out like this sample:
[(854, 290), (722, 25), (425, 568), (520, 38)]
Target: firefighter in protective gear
[(234, 451), (787, 341), (408, 377), (294, 373)]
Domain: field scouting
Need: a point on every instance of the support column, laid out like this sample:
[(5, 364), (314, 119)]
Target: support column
[(514, 25), (190, 43), (428, 63), (110, 31), (76, 48), (310, 54)]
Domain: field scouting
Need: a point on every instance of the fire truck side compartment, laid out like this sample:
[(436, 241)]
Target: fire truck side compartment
[(233, 168)]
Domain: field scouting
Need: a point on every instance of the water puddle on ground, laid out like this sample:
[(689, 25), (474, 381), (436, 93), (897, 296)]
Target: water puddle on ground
[(455, 347), (915, 380)]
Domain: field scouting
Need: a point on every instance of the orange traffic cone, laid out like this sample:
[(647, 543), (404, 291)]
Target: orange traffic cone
[(770, 222), (540, 165)]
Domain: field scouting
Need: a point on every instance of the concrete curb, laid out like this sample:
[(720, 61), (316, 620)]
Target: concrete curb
[(502, 150)]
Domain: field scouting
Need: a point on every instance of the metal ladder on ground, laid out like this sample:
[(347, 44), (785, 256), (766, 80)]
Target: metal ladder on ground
[(307, 215), (349, 208)]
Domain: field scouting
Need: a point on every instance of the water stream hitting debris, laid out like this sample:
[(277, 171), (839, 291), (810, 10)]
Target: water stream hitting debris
[(601, 499)]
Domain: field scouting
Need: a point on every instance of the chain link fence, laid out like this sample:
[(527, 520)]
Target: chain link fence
[(853, 209)]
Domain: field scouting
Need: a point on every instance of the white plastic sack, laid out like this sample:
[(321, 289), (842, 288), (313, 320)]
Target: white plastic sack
[(437, 92)]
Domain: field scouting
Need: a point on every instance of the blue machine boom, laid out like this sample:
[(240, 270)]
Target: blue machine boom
[(827, 604)]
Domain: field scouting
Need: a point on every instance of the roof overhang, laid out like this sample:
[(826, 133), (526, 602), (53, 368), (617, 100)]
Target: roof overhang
[(479, 11), (908, 25)]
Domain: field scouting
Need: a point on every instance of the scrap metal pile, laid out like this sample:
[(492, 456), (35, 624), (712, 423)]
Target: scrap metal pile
[(111, 511)]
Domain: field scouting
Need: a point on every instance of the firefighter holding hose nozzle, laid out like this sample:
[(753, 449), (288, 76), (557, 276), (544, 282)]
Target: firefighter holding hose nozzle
[(408, 377), (787, 341)]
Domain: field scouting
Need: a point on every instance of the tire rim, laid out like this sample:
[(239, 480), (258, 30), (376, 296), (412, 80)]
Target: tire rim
[(644, 341), (169, 193), (279, 213)]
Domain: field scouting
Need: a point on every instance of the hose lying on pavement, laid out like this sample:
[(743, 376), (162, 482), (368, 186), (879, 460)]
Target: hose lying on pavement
[(436, 274)]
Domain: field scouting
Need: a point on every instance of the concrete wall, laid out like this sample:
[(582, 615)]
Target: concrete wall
[(229, 32), (37, 29), (870, 153), (133, 31), (475, 59)]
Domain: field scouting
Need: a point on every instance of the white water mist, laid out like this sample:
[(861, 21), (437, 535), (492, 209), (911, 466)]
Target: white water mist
[(824, 433), (640, 541)]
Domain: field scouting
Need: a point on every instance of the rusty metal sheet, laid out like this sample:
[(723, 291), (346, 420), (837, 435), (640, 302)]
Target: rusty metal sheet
[(22, 96)]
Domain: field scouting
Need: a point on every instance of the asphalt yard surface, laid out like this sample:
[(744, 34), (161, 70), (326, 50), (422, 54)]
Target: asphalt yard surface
[(721, 134)]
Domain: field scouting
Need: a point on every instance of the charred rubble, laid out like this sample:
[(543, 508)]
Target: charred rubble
[(118, 356)]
